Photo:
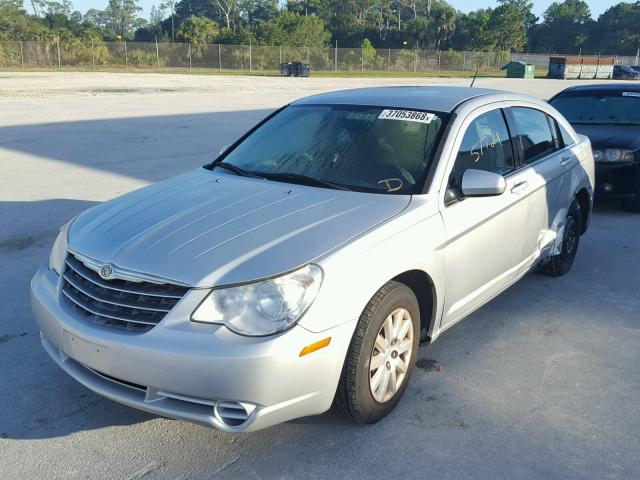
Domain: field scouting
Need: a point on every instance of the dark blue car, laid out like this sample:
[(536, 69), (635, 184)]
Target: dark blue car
[(609, 114)]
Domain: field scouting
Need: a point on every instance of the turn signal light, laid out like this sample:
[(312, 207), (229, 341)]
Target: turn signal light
[(315, 346)]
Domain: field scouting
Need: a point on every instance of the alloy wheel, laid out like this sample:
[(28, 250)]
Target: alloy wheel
[(391, 355)]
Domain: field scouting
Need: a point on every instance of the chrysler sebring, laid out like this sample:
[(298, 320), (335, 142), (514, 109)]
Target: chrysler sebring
[(304, 266)]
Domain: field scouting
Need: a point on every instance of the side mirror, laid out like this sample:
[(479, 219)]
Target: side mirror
[(480, 183), (223, 149)]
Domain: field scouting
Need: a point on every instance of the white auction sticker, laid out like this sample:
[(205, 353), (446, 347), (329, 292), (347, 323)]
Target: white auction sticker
[(631, 94), (407, 115)]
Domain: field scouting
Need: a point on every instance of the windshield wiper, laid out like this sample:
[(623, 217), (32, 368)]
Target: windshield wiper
[(235, 169), (303, 180)]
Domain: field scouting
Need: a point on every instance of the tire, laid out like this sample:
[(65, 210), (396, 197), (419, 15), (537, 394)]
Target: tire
[(560, 264), (355, 397)]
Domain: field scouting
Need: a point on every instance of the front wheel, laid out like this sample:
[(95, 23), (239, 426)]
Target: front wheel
[(560, 264), (381, 356)]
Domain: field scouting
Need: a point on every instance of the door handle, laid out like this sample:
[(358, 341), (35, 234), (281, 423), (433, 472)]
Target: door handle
[(520, 187), (566, 160)]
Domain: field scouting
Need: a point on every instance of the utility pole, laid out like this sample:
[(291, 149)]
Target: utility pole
[(157, 53), (58, 48)]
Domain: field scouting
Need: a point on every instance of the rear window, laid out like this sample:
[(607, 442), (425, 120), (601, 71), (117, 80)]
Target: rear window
[(600, 108)]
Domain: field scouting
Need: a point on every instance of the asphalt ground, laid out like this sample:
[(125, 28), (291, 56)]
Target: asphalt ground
[(541, 383)]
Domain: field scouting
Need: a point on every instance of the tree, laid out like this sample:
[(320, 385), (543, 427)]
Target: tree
[(565, 27), (443, 17), (507, 27), (170, 4), (228, 9), (254, 12), (472, 31), (524, 8), (198, 31), (292, 29), (120, 16), (618, 29)]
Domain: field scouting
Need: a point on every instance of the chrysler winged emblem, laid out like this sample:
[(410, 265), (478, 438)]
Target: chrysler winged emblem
[(106, 270)]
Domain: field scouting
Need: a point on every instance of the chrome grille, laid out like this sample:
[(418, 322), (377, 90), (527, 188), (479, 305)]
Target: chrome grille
[(128, 305)]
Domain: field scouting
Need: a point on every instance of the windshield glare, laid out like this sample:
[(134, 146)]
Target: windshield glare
[(368, 149), (597, 109)]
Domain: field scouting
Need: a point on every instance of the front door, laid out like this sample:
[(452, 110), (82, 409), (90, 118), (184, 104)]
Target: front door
[(485, 234)]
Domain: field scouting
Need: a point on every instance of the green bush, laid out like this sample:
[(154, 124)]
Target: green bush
[(147, 59)]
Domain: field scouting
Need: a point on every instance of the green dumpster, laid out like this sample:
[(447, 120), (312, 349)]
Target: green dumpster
[(519, 69)]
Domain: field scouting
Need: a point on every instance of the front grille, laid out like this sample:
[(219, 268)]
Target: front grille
[(123, 304)]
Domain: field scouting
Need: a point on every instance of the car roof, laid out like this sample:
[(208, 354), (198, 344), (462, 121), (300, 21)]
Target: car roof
[(439, 99), (602, 87)]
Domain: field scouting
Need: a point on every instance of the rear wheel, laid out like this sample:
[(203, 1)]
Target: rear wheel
[(560, 264), (381, 355)]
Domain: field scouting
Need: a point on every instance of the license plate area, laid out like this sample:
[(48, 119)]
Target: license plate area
[(88, 353)]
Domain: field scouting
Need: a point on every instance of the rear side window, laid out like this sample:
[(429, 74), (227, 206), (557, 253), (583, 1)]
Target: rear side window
[(485, 146), (565, 136), (533, 131)]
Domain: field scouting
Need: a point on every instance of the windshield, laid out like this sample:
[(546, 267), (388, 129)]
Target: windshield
[(617, 108), (370, 149)]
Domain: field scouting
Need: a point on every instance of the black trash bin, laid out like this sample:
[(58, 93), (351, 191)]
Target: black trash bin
[(295, 69), (303, 69), (286, 69)]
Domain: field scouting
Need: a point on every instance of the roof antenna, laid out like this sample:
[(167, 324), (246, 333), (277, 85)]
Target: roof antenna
[(474, 77)]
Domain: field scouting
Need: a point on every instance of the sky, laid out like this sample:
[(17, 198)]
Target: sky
[(596, 6)]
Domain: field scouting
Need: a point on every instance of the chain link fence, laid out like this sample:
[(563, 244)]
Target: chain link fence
[(94, 54)]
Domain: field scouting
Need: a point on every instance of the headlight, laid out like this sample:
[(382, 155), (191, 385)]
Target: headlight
[(262, 308), (614, 155), (597, 155), (59, 250)]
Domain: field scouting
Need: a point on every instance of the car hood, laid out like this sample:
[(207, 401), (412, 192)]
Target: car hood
[(209, 228), (611, 136)]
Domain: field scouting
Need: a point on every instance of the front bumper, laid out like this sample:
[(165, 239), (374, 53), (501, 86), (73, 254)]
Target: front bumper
[(184, 370), (617, 180)]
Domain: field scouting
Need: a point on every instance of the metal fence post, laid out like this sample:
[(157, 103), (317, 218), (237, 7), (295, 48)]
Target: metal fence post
[(361, 59), (464, 60), (189, 52), (157, 54), (21, 55), (389, 59), (250, 64), (280, 55), (335, 57), (219, 57), (415, 60), (93, 55), (58, 48), (439, 59), (126, 58)]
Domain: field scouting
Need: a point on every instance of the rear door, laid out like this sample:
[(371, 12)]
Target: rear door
[(545, 166)]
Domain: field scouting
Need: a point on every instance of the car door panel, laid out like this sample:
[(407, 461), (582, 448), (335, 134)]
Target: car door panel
[(484, 248), (483, 252)]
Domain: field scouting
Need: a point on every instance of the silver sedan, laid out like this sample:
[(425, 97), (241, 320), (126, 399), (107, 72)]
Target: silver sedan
[(308, 262)]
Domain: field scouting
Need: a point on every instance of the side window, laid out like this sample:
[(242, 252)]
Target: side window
[(565, 136), (533, 131), (485, 146)]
